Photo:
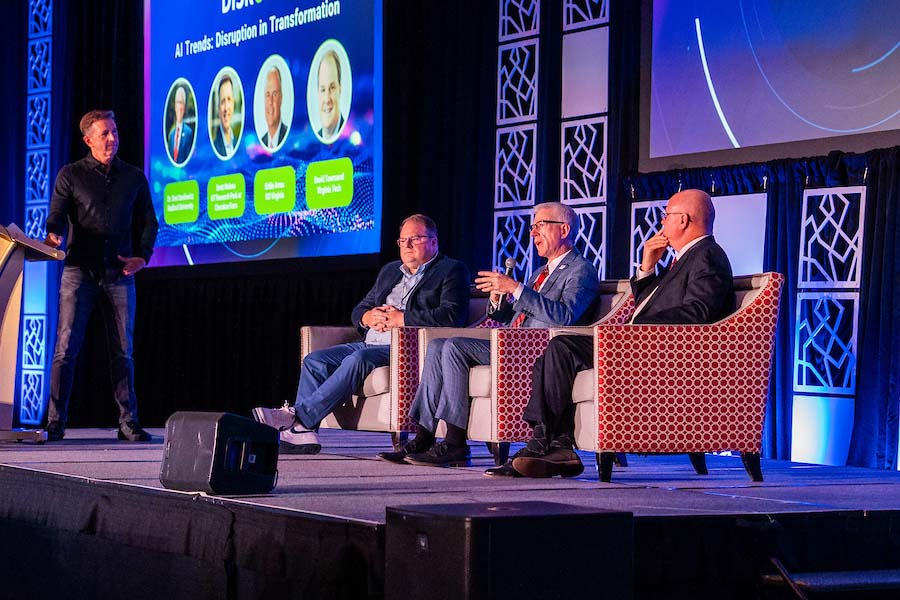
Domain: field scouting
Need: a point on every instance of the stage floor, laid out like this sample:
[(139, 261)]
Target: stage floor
[(346, 481)]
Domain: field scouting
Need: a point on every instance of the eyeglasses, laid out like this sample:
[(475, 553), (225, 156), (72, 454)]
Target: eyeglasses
[(540, 224), (665, 215), (413, 240)]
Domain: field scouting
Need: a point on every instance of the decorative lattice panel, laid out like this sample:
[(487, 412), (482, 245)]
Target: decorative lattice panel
[(32, 397), (583, 176), (40, 18), (584, 13), (825, 342), (519, 18), (517, 82), (512, 238), (645, 223), (38, 131), (36, 222), (33, 331), (37, 176), (39, 62), (591, 240), (33, 364), (831, 238), (515, 168)]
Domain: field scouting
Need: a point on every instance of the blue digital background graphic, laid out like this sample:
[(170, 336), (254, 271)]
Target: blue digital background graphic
[(301, 232)]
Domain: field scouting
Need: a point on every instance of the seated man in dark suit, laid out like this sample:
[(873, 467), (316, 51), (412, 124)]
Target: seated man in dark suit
[(556, 295), (697, 288), (422, 289)]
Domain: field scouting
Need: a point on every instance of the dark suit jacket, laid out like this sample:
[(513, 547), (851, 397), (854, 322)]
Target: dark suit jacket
[(184, 143), (219, 143), (699, 288), (282, 131), (563, 300), (441, 299)]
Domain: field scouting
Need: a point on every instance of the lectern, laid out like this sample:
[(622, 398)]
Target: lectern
[(15, 249)]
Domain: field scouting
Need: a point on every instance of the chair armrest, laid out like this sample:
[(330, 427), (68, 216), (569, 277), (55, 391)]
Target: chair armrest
[(314, 338), (586, 331), (426, 334), (404, 376), (513, 352)]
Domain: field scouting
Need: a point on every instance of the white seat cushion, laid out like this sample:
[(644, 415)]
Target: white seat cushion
[(480, 381), (584, 387), (377, 382)]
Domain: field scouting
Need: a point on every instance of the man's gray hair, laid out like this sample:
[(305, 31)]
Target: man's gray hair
[(562, 212)]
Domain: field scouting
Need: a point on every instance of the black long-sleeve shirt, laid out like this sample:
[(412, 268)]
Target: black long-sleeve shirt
[(111, 213)]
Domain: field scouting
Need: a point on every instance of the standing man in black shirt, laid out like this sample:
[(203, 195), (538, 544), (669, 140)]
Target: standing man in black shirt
[(113, 228)]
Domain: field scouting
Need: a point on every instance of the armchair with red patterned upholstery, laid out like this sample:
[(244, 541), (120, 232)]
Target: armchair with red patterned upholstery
[(682, 388), (387, 393), (500, 391)]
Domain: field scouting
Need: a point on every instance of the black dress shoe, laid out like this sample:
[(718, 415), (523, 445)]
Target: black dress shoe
[(55, 431), (442, 454), (504, 470), (132, 432), (413, 446)]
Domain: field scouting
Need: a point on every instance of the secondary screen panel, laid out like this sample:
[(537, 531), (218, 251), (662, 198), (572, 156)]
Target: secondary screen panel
[(263, 128)]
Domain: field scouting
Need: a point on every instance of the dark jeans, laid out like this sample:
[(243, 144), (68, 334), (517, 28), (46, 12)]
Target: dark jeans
[(79, 293)]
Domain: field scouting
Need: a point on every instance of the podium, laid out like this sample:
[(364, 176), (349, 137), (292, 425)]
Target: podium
[(15, 249)]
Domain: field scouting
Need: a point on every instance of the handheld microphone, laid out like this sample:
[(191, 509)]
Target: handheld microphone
[(510, 264)]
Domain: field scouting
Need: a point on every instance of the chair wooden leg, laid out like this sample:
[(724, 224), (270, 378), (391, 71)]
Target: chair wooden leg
[(621, 460), (398, 439), (751, 463), (605, 462), (500, 451), (698, 461)]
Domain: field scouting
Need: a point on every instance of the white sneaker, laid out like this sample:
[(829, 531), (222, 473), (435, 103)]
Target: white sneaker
[(297, 439), (279, 418)]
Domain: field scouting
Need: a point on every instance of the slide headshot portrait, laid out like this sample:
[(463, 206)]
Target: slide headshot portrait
[(329, 91), (226, 113), (180, 121), (273, 105)]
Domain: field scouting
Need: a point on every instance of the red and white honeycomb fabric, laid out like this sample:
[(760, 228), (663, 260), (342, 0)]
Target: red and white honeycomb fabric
[(513, 352), (404, 375), (688, 388)]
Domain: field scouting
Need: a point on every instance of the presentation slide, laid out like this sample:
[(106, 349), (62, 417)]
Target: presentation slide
[(263, 128), (738, 74)]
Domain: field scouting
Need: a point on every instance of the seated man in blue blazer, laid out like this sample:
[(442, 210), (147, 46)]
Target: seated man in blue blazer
[(422, 289), (557, 294), (696, 288)]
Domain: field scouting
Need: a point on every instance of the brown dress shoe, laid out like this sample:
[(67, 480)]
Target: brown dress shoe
[(559, 461)]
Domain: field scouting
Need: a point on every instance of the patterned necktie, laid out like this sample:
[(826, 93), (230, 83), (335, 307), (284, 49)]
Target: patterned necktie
[(177, 141), (536, 286)]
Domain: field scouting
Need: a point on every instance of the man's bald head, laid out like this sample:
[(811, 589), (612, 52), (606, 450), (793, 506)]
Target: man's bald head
[(699, 206)]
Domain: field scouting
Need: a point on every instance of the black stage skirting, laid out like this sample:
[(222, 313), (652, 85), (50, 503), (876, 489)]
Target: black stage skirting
[(87, 518)]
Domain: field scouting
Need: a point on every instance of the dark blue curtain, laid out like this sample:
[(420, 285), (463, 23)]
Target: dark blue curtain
[(874, 442)]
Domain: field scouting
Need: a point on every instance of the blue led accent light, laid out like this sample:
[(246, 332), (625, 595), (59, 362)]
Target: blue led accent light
[(37, 302)]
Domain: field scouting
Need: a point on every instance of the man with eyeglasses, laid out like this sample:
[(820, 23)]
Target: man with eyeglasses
[(557, 294), (422, 289), (697, 288)]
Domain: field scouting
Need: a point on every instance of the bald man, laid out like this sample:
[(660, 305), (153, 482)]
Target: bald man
[(697, 288)]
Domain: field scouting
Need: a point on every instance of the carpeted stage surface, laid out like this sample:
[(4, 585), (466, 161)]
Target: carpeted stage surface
[(347, 481)]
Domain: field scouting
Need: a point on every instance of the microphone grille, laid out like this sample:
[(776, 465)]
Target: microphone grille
[(510, 263)]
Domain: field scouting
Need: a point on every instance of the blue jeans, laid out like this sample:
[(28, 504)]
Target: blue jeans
[(79, 293), (330, 376), (443, 392)]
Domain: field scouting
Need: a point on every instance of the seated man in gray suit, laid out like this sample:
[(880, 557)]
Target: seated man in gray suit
[(696, 288), (558, 294), (422, 289)]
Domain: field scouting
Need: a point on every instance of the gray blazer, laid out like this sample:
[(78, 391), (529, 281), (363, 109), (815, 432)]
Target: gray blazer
[(563, 300)]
